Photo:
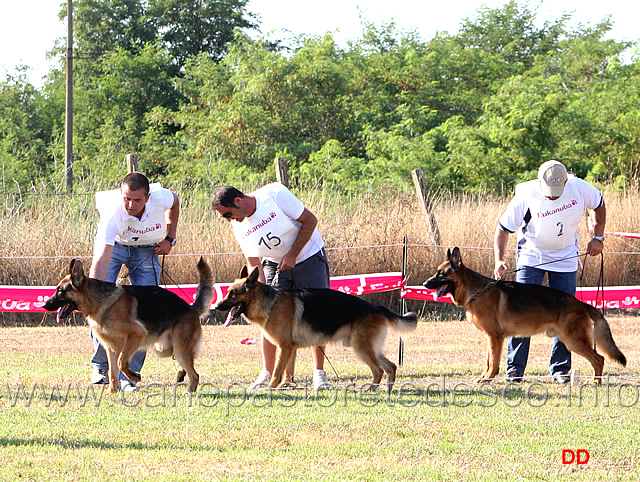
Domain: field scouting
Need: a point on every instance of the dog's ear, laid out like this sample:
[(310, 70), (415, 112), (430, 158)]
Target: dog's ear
[(77, 273), (252, 279), (244, 272), (448, 254), (455, 259)]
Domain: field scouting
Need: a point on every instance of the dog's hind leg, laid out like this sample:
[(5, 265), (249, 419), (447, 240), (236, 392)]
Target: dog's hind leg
[(367, 354), (582, 345), (390, 368), (186, 362), (185, 347)]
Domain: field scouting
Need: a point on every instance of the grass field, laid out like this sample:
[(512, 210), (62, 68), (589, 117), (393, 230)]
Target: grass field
[(435, 424)]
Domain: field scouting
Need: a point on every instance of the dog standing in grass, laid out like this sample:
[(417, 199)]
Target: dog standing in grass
[(128, 318), (297, 318), (501, 309)]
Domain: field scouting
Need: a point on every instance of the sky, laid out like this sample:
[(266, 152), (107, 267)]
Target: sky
[(29, 28)]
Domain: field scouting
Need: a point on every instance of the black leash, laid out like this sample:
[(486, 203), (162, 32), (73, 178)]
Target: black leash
[(163, 272), (600, 284), (549, 262), (136, 267)]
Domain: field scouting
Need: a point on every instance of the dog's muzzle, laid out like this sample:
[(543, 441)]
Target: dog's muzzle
[(442, 287), (234, 312), (64, 308)]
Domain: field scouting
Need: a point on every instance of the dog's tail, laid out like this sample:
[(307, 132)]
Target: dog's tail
[(402, 324), (204, 295), (604, 339)]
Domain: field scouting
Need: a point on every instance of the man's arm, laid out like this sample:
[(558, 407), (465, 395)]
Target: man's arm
[(499, 247), (596, 246), (253, 263), (171, 217), (100, 263), (308, 223)]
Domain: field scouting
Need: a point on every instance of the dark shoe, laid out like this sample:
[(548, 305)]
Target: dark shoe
[(514, 376), (99, 377), (560, 377)]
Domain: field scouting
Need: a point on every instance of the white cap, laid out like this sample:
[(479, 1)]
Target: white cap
[(553, 177)]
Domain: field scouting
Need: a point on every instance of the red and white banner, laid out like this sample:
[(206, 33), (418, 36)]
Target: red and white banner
[(32, 298), (613, 296), (623, 235)]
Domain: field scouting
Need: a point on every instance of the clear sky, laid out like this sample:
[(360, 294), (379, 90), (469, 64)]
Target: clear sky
[(28, 28)]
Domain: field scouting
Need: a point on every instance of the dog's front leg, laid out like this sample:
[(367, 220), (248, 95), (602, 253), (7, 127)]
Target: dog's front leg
[(291, 367), (493, 356), (285, 353), (114, 372), (131, 345)]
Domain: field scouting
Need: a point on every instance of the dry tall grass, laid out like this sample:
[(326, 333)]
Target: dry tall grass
[(41, 233)]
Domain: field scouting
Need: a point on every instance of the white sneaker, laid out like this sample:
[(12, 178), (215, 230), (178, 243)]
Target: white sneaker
[(100, 377), (261, 382), (128, 386), (320, 381)]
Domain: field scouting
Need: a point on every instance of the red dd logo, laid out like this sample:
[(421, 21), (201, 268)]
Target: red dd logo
[(580, 456)]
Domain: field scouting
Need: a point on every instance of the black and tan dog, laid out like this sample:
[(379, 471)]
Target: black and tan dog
[(127, 318), (501, 309), (297, 318)]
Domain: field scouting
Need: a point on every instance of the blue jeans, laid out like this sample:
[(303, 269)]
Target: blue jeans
[(144, 270), (518, 348)]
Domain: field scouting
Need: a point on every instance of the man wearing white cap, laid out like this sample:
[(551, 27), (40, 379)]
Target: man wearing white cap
[(546, 213)]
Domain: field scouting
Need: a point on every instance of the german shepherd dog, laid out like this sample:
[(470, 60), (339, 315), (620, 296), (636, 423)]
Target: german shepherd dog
[(127, 318), (501, 309), (297, 318)]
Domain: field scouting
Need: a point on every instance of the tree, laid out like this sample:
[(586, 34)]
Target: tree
[(23, 139), (188, 28)]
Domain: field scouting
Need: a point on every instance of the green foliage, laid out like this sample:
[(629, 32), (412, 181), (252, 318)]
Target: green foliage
[(184, 84), (22, 133)]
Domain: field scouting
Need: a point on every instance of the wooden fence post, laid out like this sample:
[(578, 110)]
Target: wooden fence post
[(423, 196), (132, 162), (282, 174)]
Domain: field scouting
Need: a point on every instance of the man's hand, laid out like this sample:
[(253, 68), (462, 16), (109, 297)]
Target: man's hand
[(500, 269), (163, 247), (288, 261), (595, 247)]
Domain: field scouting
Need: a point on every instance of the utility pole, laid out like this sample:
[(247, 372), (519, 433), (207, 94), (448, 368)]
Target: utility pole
[(68, 148)]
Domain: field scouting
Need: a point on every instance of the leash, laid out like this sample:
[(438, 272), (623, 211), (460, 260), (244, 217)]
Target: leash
[(484, 290), (548, 262), (600, 284), (119, 281)]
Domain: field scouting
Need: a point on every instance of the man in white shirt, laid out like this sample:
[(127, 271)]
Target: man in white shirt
[(137, 224), (277, 235), (547, 213)]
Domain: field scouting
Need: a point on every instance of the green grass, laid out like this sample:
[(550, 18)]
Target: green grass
[(419, 431)]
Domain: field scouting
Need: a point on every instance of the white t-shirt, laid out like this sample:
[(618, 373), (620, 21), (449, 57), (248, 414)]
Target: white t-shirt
[(116, 225), (272, 229), (549, 230)]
